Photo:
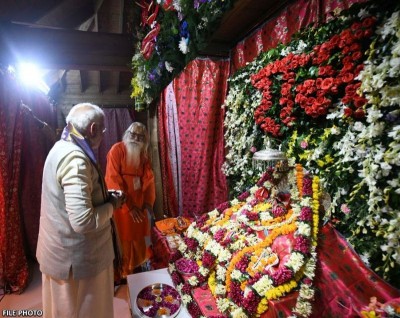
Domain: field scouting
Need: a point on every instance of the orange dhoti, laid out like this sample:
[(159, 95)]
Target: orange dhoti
[(138, 185)]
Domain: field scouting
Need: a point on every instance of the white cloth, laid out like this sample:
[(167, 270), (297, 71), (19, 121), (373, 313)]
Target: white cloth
[(79, 298)]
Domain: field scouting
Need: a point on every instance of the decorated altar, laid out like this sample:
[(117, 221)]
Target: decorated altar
[(261, 255)]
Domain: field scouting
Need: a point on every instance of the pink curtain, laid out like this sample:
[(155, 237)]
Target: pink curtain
[(191, 138), (13, 262), (299, 14), (170, 158)]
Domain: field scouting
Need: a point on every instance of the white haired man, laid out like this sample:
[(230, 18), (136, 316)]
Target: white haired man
[(129, 169), (75, 247)]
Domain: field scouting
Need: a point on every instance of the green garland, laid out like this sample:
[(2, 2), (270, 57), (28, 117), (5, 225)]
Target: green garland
[(151, 76)]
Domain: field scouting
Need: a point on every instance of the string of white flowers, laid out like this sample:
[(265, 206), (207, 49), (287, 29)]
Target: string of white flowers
[(381, 87)]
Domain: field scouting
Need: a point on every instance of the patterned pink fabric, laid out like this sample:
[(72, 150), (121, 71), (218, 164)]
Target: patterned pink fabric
[(199, 92), (13, 263)]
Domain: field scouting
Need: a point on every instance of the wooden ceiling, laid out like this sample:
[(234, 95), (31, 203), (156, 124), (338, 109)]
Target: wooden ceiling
[(87, 45)]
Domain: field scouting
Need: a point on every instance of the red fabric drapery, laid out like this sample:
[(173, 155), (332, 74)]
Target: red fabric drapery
[(35, 146), (13, 262), (299, 14), (198, 92)]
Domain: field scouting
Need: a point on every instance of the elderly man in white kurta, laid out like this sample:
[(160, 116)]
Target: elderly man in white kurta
[(75, 249)]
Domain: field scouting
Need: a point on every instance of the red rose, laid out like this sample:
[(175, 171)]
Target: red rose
[(359, 101), (368, 33), (322, 111), (327, 83), (261, 194), (356, 55), (356, 26), (299, 98), (359, 113), (346, 99), (283, 101), (290, 103), (334, 40), (348, 77), (350, 89), (355, 47), (338, 80), (269, 125), (368, 22), (266, 104), (358, 69), (359, 34), (348, 112)]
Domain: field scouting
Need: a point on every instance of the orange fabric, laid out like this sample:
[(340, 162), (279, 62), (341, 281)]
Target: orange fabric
[(120, 176)]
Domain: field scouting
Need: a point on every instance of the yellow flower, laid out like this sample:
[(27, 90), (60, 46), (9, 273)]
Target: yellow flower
[(320, 163), (137, 90), (211, 283), (327, 132), (263, 206), (305, 155), (368, 314), (262, 306), (328, 159)]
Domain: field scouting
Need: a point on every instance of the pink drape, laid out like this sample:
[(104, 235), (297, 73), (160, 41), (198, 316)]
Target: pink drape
[(170, 158), (299, 14), (13, 262), (199, 92)]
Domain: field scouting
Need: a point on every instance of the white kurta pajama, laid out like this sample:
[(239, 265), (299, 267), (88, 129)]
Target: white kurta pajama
[(75, 249)]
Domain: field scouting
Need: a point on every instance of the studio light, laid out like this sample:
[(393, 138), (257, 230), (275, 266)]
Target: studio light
[(30, 75)]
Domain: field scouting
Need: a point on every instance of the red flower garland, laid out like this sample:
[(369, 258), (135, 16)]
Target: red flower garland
[(314, 96)]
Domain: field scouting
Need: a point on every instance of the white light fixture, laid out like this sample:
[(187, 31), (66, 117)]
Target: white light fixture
[(30, 75)]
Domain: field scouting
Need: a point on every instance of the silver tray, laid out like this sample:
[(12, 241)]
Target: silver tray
[(158, 301)]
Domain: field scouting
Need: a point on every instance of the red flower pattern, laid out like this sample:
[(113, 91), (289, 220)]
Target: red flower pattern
[(315, 96)]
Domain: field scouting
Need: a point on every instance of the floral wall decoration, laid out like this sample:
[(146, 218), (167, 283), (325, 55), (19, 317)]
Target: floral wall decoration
[(171, 34), (330, 99)]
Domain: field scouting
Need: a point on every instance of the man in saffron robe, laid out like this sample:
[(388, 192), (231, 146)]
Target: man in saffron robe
[(129, 169)]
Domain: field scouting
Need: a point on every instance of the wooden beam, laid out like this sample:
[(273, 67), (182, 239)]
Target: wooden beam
[(65, 49)]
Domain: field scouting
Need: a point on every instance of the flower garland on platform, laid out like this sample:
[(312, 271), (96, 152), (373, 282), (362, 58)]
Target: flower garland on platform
[(234, 247)]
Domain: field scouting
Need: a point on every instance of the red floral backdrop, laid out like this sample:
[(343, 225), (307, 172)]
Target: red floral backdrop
[(198, 93), (279, 29)]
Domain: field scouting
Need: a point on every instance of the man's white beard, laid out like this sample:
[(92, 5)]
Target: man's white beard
[(133, 152)]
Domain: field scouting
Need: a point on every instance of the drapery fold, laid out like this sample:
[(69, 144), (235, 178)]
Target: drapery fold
[(13, 263), (36, 143), (199, 92), (174, 144)]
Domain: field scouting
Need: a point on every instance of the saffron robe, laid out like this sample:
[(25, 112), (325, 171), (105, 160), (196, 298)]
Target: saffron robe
[(120, 176)]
